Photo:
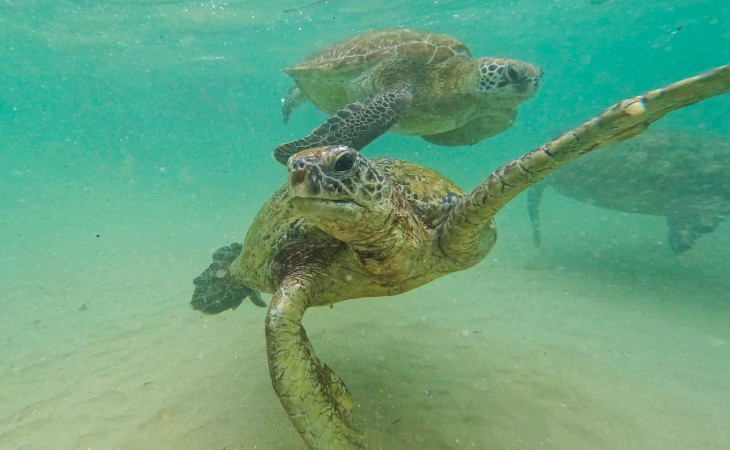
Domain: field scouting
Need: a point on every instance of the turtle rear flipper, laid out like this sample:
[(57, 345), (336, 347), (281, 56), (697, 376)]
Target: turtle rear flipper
[(685, 227), (294, 98), (356, 125), (215, 289), (534, 197)]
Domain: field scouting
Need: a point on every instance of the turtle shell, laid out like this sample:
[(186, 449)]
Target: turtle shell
[(362, 51), (656, 173)]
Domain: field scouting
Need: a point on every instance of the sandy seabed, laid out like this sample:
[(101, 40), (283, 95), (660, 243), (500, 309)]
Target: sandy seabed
[(579, 345)]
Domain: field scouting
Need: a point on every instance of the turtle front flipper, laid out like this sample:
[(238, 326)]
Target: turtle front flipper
[(315, 398), (215, 289), (356, 125), (464, 228)]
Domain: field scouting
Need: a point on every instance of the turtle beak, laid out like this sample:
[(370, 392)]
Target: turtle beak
[(531, 81)]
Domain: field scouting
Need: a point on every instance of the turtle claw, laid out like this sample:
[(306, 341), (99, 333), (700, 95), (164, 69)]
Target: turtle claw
[(215, 289)]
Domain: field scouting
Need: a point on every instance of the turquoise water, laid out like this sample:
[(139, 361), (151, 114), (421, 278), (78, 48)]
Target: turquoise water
[(137, 137)]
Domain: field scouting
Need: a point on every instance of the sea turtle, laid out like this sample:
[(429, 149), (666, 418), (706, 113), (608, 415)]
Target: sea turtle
[(648, 175), (412, 82), (345, 227)]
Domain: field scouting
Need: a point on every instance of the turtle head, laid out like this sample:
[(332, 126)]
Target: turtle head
[(510, 76), (341, 192)]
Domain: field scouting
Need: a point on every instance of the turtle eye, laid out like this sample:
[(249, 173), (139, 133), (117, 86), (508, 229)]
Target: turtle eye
[(345, 162)]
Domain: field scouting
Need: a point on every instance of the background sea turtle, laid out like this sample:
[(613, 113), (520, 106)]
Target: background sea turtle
[(346, 227), (416, 82), (648, 175)]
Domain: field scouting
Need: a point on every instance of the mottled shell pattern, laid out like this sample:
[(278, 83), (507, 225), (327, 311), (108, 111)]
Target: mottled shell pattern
[(356, 54)]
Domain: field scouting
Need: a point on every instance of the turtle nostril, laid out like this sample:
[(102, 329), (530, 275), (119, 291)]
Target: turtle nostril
[(297, 176)]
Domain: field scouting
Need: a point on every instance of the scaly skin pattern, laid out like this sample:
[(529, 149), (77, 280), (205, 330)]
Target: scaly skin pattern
[(316, 399), (348, 227), (469, 99), (356, 125)]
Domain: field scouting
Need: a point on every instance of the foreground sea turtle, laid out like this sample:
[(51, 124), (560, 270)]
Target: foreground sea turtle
[(649, 175), (346, 227), (412, 82)]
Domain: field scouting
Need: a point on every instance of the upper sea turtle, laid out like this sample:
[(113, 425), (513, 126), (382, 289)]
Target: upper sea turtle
[(648, 175), (412, 82), (346, 227)]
